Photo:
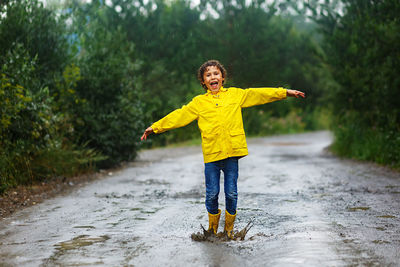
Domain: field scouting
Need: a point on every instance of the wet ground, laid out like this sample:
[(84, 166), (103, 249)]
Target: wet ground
[(308, 209)]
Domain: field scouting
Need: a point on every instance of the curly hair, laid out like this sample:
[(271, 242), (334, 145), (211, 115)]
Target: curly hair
[(204, 67)]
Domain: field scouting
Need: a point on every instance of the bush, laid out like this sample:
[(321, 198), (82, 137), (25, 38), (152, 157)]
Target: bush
[(355, 139), (111, 114), (33, 143), (31, 146), (362, 48), (42, 34)]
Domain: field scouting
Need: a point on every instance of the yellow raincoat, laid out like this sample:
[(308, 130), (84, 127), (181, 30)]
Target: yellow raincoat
[(219, 118)]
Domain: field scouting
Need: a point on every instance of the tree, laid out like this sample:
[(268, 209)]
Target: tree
[(362, 48), (42, 34), (111, 116)]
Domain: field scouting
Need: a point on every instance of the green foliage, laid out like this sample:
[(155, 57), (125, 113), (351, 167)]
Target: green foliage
[(31, 146), (168, 47), (65, 96), (111, 113), (64, 159), (362, 47), (25, 115), (355, 139), (24, 118), (13, 99), (32, 137), (40, 32), (267, 124)]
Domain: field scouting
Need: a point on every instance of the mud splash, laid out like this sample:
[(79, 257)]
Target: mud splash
[(209, 236)]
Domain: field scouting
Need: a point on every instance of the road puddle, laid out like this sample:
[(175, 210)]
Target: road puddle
[(387, 216), (139, 218), (358, 208), (80, 241), (151, 211), (290, 200), (380, 242)]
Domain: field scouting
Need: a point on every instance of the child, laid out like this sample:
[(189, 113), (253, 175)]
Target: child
[(219, 116)]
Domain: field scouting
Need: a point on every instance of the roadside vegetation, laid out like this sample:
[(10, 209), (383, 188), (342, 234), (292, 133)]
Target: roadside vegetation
[(80, 80), (361, 49)]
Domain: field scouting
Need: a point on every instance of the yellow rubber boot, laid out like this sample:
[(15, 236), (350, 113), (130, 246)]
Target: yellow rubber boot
[(229, 221), (213, 221)]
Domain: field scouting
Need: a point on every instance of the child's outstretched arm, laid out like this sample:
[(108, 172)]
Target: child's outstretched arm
[(146, 133), (259, 96), (177, 118), (295, 93)]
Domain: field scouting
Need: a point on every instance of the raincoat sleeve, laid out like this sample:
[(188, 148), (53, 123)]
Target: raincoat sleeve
[(177, 118), (258, 96)]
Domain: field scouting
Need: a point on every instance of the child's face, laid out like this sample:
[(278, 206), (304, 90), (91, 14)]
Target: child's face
[(213, 79)]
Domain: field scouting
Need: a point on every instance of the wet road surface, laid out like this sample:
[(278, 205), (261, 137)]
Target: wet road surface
[(308, 208)]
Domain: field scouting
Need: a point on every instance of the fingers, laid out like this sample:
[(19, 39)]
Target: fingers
[(146, 133), (144, 136), (303, 95), (297, 94)]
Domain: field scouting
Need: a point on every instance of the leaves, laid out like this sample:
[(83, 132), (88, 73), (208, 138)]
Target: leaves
[(363, 52)]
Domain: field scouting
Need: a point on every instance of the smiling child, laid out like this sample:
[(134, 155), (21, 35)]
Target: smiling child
[(219, 116)]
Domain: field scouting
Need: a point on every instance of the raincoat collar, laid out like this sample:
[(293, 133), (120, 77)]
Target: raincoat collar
[(222, 89)]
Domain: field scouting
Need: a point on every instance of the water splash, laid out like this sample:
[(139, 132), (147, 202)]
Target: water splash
[(209, 236)]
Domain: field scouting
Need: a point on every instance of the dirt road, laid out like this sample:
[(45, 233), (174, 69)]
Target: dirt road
[(309, 209)]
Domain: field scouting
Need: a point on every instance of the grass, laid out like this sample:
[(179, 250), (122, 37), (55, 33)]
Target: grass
[(368, 144), (50, 162)]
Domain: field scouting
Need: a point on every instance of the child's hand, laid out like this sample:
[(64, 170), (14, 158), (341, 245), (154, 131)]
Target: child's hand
[(295, 93), (146, 133)]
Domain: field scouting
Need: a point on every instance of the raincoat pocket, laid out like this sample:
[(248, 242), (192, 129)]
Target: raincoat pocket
[(210, 144), (238, 139)]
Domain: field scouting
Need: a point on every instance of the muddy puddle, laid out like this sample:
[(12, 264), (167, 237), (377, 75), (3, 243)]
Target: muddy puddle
[(298, 206), (80, 241), (208, 236)]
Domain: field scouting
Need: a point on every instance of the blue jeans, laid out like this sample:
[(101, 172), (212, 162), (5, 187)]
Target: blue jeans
[(212, 172)]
